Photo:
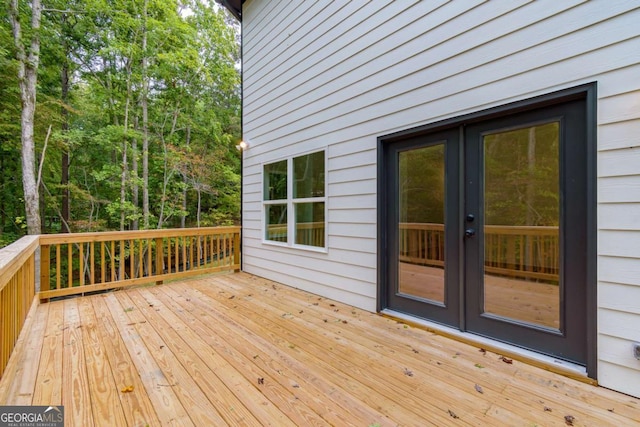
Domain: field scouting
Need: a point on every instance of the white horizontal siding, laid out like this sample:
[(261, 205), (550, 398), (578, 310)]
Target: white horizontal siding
[(618, 189), (337, 75), (618, 297), (618, 377), (613, 136), (620, 216)]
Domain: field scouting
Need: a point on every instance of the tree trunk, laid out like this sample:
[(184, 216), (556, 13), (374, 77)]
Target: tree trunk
[(64, 171), (135, 224), (199, 204), (125, 164), (28, 76), (183, 218), (145, 124)]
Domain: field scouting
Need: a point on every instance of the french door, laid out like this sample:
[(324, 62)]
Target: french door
[(486, 231)]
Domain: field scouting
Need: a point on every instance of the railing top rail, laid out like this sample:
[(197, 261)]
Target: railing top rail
[(14, 256), (49, 239), (500, 229)]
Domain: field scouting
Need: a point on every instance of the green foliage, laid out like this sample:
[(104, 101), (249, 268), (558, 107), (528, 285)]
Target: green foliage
[(193, 115)]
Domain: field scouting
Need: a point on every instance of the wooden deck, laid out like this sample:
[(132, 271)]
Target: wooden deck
[(240, 350)]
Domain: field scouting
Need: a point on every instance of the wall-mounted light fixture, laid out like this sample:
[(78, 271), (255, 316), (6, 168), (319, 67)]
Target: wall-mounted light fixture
[(243, 145)]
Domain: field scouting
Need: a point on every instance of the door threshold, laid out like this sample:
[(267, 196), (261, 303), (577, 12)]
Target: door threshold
[(549, 363)]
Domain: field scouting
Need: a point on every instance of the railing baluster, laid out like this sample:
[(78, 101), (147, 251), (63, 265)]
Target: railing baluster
[(92, 264), (58, 263), (81, 262), (102, 262), (159, 259)]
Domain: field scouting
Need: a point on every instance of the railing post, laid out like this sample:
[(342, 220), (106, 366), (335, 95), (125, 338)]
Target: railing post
[(159, 258), (45, 260), (236, 248)]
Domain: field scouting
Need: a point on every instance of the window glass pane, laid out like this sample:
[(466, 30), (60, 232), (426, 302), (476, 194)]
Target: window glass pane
[(275, 181), (310, 224), (308, 175), (276, 220)]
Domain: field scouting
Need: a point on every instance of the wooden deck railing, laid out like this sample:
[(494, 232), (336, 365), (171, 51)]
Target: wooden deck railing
[(528, 252), (87, 262), (17, 291)]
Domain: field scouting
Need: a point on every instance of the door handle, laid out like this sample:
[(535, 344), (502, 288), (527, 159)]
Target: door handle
[(470, 232)]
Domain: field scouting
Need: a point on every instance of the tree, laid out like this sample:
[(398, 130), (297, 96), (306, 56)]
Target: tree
[(143, 105), (27, 77)]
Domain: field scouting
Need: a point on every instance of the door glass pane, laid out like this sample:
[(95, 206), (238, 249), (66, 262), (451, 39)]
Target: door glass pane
[(421, 222), (522, 217)]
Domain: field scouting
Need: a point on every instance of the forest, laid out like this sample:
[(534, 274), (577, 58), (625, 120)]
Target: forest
[(135, 115)]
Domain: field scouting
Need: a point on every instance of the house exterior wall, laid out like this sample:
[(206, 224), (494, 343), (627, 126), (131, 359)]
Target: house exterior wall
[(335, 76)]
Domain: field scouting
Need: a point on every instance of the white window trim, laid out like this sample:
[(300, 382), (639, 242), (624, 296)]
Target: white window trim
[(291, 202)]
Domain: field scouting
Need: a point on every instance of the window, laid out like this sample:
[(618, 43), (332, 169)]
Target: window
[(295, 185)]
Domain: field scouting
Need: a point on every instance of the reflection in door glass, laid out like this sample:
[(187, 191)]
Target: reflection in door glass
[(521, 216), (421, 222)]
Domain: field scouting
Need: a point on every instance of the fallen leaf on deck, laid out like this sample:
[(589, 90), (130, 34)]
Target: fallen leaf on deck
[(127, 389), (407, 372), (479, 366), (569, 419), (232, 297), (260, 380), (479, 389), (483, 351), (452, 414), (505, 360)]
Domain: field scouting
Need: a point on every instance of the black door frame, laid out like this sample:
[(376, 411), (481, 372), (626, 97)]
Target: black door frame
[(586, 92)]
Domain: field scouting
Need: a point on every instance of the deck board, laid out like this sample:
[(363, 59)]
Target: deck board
[(241, 350)]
